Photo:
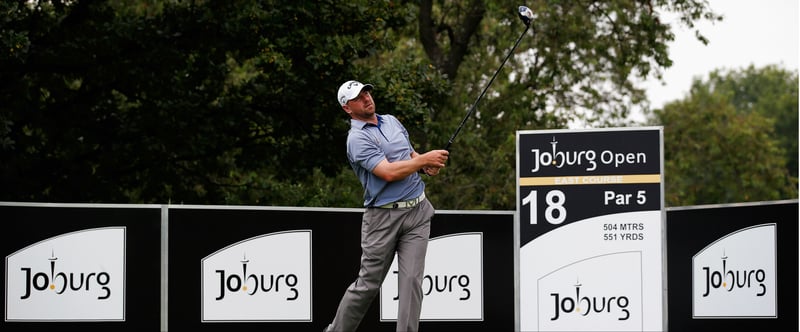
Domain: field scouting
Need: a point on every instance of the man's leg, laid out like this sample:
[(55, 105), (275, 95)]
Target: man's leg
[(378, 240), (411, 250)]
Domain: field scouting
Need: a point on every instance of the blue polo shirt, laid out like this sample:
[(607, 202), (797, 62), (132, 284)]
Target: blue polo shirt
[(367, 146)]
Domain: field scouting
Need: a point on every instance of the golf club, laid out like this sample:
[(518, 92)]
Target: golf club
[(526, 15)]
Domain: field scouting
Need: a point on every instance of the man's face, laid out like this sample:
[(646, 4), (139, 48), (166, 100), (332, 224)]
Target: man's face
[(361, 107)]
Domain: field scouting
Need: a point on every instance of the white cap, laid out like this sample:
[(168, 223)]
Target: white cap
[(350, 90)]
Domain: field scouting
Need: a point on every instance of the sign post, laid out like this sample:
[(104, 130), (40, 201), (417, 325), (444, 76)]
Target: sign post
[(590, 221)]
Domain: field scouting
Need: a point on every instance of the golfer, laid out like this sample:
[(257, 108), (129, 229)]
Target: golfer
[(397, 218)]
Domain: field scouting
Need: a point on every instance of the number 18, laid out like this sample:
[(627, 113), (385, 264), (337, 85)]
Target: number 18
[(555, 213)]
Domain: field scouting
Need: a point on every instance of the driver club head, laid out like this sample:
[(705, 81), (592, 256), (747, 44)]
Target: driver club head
[(526, 15)]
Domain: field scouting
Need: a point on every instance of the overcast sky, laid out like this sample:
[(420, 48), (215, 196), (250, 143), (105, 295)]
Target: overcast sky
[(758, 32)]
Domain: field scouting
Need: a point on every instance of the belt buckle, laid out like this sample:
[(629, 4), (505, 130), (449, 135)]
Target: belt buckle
[(412, 203)]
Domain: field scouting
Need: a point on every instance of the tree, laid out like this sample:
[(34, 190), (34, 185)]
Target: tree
[(231, 102), (715, 154), (578, 64), (200, 102), (769, 91)]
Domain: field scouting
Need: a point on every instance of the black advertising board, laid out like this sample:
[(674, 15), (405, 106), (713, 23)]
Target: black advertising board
[(733, 267), (81, 267), (257, 268)]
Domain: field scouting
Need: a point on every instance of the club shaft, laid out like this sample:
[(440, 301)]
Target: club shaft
[(475, 104)]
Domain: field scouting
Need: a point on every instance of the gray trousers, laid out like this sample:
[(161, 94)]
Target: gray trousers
[(384, 231)]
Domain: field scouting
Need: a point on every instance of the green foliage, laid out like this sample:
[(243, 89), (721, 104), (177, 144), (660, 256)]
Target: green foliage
[(769, 91), (201, 102), (716, 154), (232, 102), (578, 63)]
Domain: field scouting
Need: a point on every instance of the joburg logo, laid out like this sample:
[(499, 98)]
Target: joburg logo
[(590, 304), (736, 275), (60, 281), (264, 278), (253, 283), (452, 284), (724, 279), (606, 293), (73, 276), (584, 158)]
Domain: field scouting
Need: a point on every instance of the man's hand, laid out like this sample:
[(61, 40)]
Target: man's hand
[(435, 158), (431, 171)]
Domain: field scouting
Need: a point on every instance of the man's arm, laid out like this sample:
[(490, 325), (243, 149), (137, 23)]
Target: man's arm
[(398, 170)]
